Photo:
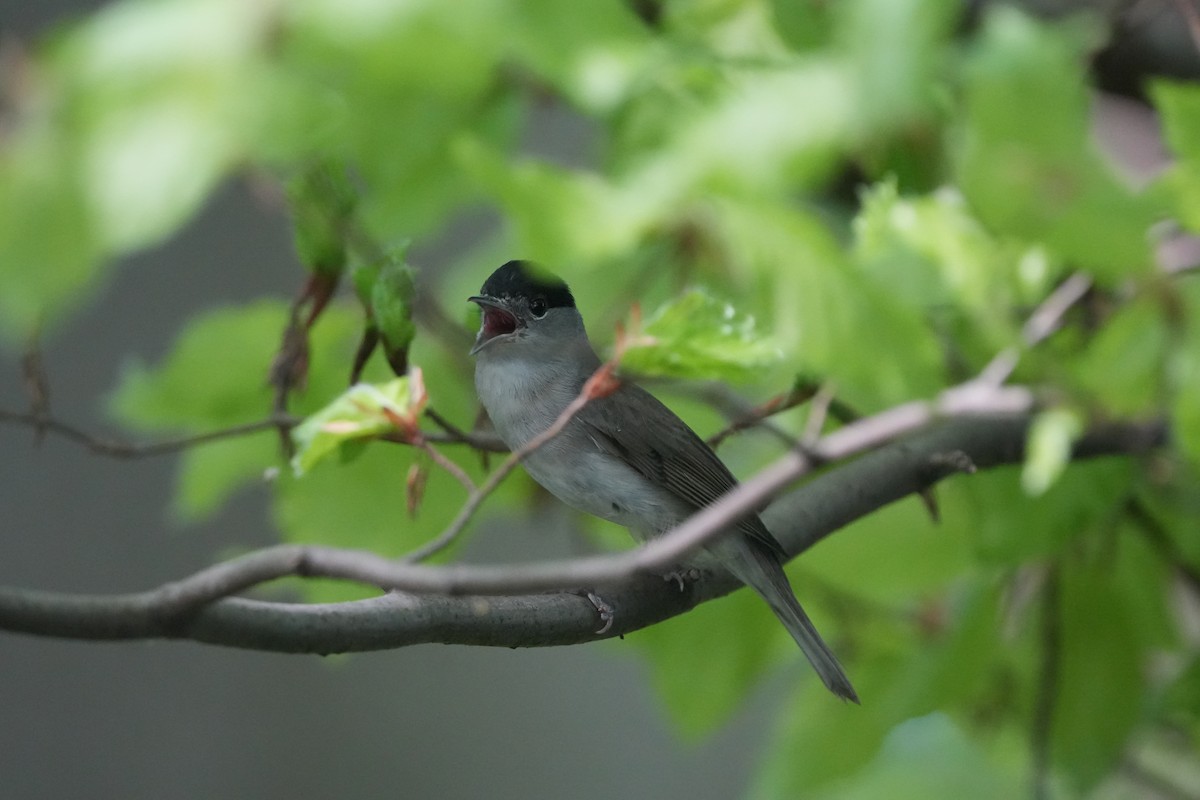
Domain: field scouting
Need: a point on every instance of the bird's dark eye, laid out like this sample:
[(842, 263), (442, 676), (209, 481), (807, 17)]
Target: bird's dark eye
[(537, 307)]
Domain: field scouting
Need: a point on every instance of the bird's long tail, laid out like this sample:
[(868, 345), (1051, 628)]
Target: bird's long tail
[(760, 570)]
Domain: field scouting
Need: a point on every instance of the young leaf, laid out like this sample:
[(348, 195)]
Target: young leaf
[(698, 336), (392, 310), (322, 204), (1048, 449), (363, 411)]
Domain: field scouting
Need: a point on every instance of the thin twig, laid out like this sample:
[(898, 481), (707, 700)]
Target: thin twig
[(817, 414), (1158, 537), (37, 386), (445, 463), (1048, 316), (122, 449), (480, 441), (445, 424), (117, 448), (1044, 321), (483, 442), (755, 416), (452, 531), (1000, 368)]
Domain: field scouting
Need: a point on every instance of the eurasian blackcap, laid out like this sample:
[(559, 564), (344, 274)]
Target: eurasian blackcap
[(624, 457)]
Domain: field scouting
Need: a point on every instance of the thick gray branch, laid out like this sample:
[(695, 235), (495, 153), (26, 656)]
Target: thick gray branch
[(800, 519)]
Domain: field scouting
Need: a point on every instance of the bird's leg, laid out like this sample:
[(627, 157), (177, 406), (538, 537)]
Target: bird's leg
[(607, 613), (681, 576)]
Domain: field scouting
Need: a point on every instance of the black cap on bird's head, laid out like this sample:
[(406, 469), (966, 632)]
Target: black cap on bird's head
[(515, 295), (525, 279)]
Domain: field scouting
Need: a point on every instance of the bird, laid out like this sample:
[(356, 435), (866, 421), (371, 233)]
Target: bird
[(624, 456)]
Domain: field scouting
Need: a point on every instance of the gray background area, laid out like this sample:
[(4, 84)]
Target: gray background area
[(180, 720)]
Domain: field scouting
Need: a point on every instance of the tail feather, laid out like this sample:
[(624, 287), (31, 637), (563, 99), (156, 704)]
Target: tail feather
[(792, 615), (761, 571)]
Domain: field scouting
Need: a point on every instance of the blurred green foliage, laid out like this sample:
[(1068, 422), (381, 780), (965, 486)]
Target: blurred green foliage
[(724, 131), (698, 336)]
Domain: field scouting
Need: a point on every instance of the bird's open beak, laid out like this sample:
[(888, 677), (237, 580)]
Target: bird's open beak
[(497, 321)]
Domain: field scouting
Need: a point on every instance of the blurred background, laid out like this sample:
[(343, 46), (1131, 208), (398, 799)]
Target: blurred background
[(175, 719)]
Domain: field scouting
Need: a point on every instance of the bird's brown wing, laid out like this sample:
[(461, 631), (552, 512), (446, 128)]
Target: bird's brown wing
[(666, 451)]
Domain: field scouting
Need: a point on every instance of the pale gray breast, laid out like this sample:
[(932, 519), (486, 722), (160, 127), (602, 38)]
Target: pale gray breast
[(522, 401)]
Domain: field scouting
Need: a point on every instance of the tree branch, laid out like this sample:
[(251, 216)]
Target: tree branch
[(799, 520), (117, 448)]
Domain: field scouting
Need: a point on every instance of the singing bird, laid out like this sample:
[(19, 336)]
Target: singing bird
[(624, 457)]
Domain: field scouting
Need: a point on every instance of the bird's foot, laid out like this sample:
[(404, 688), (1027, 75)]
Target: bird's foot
[(682, 576), (606, 612)]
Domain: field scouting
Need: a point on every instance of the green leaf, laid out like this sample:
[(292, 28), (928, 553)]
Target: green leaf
[(1125, 365), (1035, 174), (731, 30), (951, 764), (362, 505), (1099, 688), (122, 127), (1185, 411), (896, 50), (49, 249), (164, 97), (1184, 370), (934, 256), (1048, 448), (152, 167), (776, 150), (558, 215), (839, 324), (595, 59), (211, 474), (705, 662), (214, 377), (322, 202), (1178, 105), (363, 411), (392, 303), (921, 562), (820, 741), (390, 88), (699, 336), (1008, 526)]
